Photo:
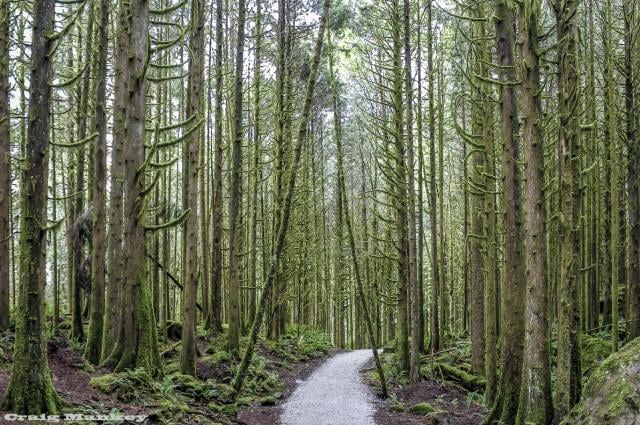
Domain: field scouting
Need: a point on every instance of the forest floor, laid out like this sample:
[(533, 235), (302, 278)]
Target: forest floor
[(435, 400), (71, 376), (291, 376), (179, 399), (439, 403)]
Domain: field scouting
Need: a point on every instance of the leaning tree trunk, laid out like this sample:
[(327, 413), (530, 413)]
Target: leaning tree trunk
[(347, 217), (241, 373), (30, 390), (535, 394)]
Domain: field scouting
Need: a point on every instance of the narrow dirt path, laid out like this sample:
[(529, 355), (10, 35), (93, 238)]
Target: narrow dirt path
[(332, 395)]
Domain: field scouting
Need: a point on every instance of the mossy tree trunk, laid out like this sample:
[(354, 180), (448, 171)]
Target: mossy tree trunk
[(93, 348), (435, 263), (194, 108), (568, 376), (535, 394), (215, 321), (30, 390), (115, 251), (505, 404), (5, 182), (633, 141), (136, 346), (236, 181)]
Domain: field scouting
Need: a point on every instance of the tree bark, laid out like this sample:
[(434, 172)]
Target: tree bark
[(535, 395), (568, 376), (93, 348), (234, 202), (435, 267), (5, 163), (633, 141), (194, 108), (505, 405), (115, 251), (30, 390), (137, 341), (216, 273)]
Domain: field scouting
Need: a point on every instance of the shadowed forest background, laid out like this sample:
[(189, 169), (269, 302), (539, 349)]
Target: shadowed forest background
[(194, 194)]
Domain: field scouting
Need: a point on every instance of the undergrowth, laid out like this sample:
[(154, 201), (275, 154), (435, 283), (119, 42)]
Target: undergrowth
[(174, 397)]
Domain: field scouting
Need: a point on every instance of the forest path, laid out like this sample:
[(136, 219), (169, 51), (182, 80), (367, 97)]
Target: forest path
[(333, 394)]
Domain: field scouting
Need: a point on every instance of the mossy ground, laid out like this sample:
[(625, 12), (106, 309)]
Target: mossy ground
[(438, 396), (174, 398), (612, 392)]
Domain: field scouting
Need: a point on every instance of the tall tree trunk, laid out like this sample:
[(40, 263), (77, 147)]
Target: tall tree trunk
[(535, 394), (234, 202), (77, 327), (613, 173), (420, 218), (414, 370), (505, 405), (256, 171), (400, 194), (568, 376), (477, 183), (93, 348), (216, 272), (194, 109), (115, 251), (633, 141), (137, 345), (339, 275), (435, 268), (30, 390), (5, 182)]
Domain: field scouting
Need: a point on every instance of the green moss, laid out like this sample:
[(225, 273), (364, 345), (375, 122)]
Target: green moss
[(301, 344), (221, 392), (172, 367), (594, 351), (129, 386), (268, 401), (422, 409), (189, 386), (612, 393), (220, 356)]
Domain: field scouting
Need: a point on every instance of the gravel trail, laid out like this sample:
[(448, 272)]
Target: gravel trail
[(333, 394)]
